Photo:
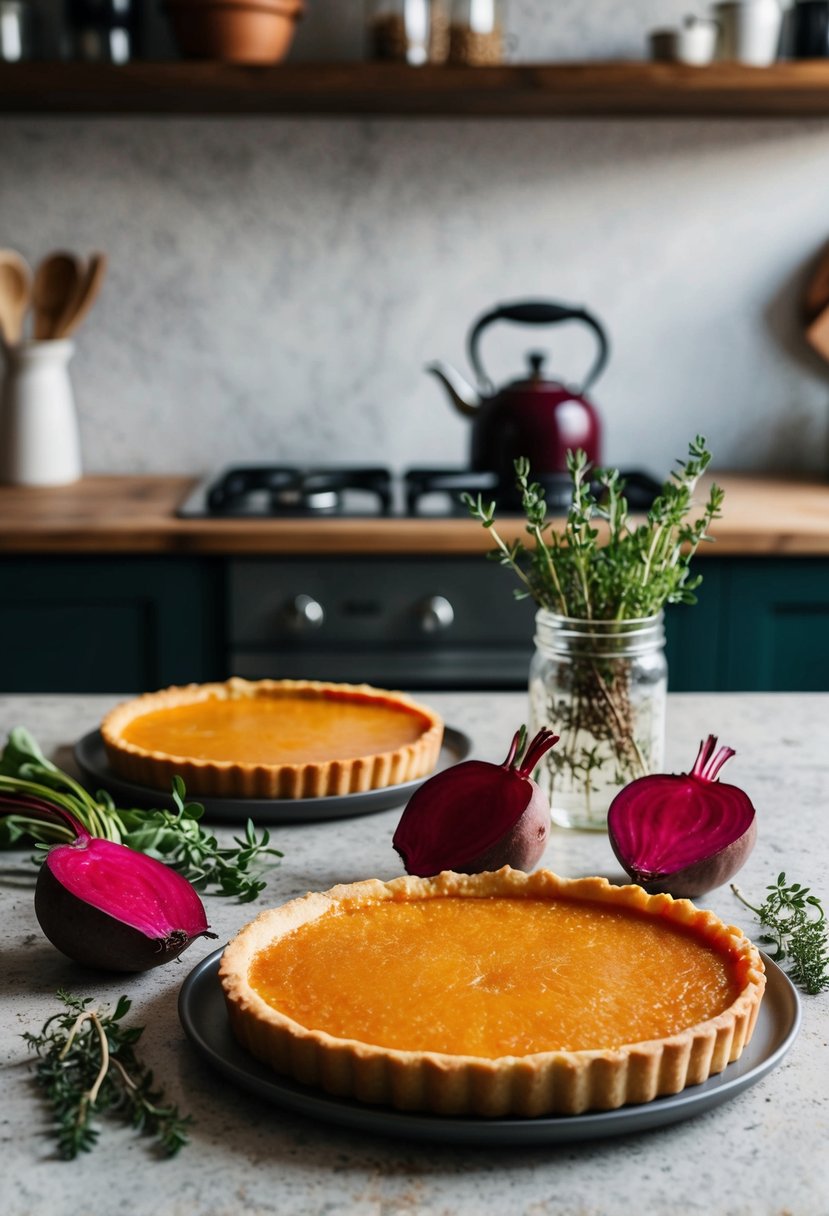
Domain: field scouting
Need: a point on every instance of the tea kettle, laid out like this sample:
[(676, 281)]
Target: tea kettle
[(532, 416)]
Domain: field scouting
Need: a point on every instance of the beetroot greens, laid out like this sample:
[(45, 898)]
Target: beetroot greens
[(34, 794)]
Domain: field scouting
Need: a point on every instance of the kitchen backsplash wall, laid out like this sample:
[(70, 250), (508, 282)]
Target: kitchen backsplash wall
[(276, 286)]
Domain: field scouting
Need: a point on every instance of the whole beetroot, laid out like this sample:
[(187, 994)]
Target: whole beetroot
[(478, 816)]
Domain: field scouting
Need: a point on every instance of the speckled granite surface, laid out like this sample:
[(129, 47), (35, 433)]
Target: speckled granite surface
[(762, 1154)]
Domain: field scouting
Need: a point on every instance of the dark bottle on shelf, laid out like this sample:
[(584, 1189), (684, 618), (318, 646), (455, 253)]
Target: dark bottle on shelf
[(104, 31), (810, 29)]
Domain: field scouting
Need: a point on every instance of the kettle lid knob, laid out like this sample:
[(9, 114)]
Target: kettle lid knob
[(536, 360)]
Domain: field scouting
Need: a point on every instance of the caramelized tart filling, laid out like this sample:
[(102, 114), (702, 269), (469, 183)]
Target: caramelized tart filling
[(289, 729), (494, 977)]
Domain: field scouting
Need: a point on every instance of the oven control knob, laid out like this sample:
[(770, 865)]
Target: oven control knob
[(435, 614), (303, 613)]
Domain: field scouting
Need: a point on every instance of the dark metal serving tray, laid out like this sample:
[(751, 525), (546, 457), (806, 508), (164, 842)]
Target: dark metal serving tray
[(204, 1018), (92, 760)]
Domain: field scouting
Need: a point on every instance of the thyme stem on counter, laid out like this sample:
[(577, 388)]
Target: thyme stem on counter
[(87, 1066), (795, 926)]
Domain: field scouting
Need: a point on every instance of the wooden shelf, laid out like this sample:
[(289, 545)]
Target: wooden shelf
[(638, 89)]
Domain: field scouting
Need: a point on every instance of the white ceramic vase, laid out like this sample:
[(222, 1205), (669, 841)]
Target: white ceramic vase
[(749, 31), (39, 436)]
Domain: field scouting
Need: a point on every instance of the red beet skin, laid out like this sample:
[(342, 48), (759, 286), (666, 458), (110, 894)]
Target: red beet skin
[(683, 835), (477, 816), (108, 906)]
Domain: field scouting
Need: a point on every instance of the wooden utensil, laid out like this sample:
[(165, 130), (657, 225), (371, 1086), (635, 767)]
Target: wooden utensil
[(15, 294), (817, 335), (817, 290), (57, 280), (86, 295)]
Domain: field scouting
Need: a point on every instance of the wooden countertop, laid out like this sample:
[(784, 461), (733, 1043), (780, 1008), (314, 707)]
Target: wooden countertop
[(763, 516)]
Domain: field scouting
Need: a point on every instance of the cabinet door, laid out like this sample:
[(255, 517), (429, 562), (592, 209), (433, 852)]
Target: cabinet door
[(108, 625), (778, 625), (695, 633)]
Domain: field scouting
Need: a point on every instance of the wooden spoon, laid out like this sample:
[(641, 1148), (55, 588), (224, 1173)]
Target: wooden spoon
[(86, 295), (57, 279), (15, 294)]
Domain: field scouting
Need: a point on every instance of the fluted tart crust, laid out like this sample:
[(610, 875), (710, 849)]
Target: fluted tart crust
[(273, 738), (499, 994)]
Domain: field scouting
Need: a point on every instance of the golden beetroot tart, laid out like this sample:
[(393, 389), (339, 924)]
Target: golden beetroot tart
[(273, 738), (493, 994)]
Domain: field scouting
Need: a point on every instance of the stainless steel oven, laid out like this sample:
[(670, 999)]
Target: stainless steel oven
[(408, 622), (414, 622)]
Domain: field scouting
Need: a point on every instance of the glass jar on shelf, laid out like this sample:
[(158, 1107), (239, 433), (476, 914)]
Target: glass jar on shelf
[(476, 32), (602, 687), (408, 31)]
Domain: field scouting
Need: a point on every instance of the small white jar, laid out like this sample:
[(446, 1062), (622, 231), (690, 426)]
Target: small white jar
[(39, 436), (696, 41)]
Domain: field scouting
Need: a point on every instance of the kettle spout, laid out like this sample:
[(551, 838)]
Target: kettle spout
[(462, 395)]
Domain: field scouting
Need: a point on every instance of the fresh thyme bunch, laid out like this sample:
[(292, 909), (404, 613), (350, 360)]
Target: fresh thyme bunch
[(621, 572), (795, 926), (87, 1066)]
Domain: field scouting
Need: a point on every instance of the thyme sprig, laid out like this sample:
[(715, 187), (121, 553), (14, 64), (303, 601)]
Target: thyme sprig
[(796, 928), (626, 573), (87, 1067), (30, 784)]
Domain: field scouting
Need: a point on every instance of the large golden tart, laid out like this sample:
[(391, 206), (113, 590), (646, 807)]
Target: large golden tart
[(493, 994), (273, 738)]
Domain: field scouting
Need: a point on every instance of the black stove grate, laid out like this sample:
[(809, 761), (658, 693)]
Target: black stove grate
[(269, 491), (272, 490), (439, 492)]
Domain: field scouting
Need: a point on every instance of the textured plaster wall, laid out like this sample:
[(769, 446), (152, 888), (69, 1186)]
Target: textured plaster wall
[(277, 285)]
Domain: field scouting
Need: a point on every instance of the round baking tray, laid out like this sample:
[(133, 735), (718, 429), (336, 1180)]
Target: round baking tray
[(91, 758), (204, 1018)]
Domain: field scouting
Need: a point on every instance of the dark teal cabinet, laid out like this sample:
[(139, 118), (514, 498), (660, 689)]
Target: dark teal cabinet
[(108, 624), (694, 633), (761, 625), (122, 624), (777, 634)]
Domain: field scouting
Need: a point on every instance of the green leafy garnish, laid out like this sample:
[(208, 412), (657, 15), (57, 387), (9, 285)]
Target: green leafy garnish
[(87, 1066), (30, 784), (795, 925), (625, 573)]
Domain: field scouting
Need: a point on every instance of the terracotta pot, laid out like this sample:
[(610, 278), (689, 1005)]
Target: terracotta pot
[(235, 31)]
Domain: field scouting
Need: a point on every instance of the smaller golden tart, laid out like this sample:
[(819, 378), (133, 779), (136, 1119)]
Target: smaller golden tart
[(493, 994), (273, 738)]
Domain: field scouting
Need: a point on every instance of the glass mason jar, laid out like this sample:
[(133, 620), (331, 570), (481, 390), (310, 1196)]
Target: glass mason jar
[(408, 31), (476, 32), (602, 686)]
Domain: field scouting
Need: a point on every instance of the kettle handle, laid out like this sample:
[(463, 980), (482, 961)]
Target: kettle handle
[(538, 312)]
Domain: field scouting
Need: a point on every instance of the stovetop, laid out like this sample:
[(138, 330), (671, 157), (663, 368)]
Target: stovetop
[(251, 491)]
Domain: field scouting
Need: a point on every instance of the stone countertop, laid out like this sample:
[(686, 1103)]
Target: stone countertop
[(764, 516), (760, 1154)]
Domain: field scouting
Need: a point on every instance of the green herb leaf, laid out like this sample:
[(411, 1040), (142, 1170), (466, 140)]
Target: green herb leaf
[(87, 1067), (796, 930), (634, 571)]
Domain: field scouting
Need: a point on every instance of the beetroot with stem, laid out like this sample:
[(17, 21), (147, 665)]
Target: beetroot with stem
[(106, 905), (683, 835), (478, 816)]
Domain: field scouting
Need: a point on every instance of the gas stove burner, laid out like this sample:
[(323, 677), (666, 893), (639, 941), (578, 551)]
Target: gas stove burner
[(441, 491), (272, 490)]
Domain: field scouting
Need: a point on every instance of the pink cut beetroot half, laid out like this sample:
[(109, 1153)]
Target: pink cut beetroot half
[(683, 835)]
